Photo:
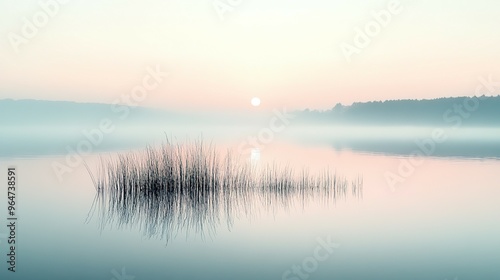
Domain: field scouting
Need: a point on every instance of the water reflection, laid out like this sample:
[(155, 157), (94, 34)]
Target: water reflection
[(191, 189), (466, 142), (255, 155)]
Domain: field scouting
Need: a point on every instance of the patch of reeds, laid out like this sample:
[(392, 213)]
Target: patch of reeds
[(185, 187)]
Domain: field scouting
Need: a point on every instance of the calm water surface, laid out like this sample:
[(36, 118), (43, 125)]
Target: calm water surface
[(442, 222)]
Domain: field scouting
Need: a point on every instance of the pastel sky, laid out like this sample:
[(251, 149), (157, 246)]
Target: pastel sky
[(286, 52)]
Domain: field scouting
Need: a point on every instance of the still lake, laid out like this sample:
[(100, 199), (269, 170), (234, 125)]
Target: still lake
[(442, 221)]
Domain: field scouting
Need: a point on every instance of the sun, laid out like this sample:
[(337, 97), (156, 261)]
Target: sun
[(255, 102)]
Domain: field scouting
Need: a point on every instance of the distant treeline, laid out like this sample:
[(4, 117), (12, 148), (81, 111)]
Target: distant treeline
[(483, 110)]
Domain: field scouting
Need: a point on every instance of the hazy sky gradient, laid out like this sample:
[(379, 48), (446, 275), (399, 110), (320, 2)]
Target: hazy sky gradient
[(287, 52)]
